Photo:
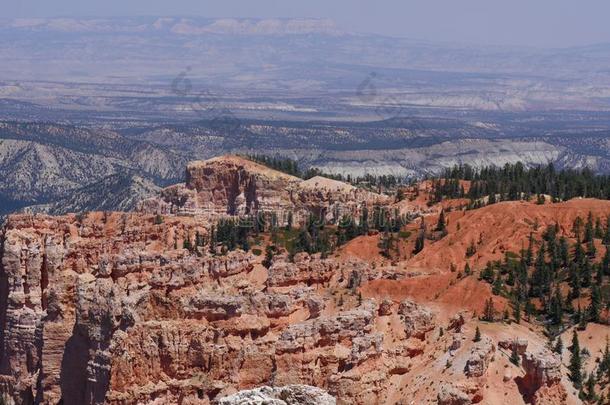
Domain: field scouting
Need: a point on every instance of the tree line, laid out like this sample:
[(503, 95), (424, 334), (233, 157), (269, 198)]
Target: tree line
[(515, 182)]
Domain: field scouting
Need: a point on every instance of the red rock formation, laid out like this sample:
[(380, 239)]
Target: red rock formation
[(480, 356), (237, 186), (109, 308), (543, 377)]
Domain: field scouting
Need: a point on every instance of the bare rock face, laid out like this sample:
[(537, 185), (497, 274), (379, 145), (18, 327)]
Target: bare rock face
[(448, 394), (109, 308), (542, 368), (553, 395), (480, 356), (418, 320), (237, 186), (385, 307), (288, 395), (520, 345), (304, 271), (456, 341), (456, 322)]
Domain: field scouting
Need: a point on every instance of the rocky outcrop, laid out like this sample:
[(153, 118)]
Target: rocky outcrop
[(417, 319), (541, 368), (288, 395), (518, 345), (480, 355), (237, 186), (448, 394), (456, 322), (304, 270), (109, 308)]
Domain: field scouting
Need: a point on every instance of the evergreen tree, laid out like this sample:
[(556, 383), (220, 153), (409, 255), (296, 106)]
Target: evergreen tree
[(387, 244), (186, 244), (364, 221), (529, 254), (556, 308), (517, 312), (599, 232), (604, 365), (588, 236), (496, 288), (577, 227), (558, 348), (477, 335), (575, 366), (289, 221), (441, 225), (419, 242), (270, 251), (213, 240), (488, 273), (590, 394), (471, 249), (591, 249), (595, 305), (514, 356), (605, 265), (489, 311)]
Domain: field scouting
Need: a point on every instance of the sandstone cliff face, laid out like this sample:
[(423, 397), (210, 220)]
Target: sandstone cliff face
[(108, 308), (63, 294), (480, 356), (542, 380), (236, 186)]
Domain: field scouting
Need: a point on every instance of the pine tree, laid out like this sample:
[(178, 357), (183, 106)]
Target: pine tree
[(529, 254), (514, 356), (599, 232), (488, 273), (441, 225), (605, 265), (590, 391), (289, 221), (270, 251), (364, 221), (489, 312), (558, 348), (577, 227), (588, 228), (556, 307), (213, 240), (517, 312), (419, 242), (575, 366), (591, 249), (477, 335), (471, 249), (604, 364), (387, 244), (186, 244), (596, 304), (496, 288)]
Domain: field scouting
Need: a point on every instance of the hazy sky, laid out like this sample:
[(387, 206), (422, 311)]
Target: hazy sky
[(549, 23)]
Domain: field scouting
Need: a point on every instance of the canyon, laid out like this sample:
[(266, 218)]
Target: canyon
[(137, 308)]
